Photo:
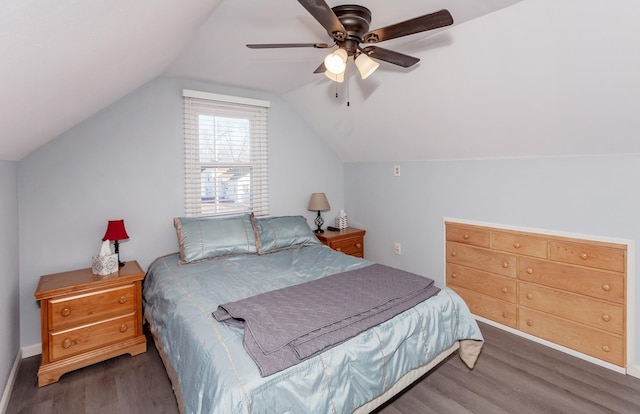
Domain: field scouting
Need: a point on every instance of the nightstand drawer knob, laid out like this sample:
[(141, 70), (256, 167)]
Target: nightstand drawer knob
[(454, 254), (122, 300), (606, 318), (505, 290), (66, 344), (505, 264), (516, 245), (529, 322), (606, 287), (65, 312), (454, 275), (466, 237), (529, 270), (123, 328), (529, 296), (338, 249), (583, 256), (605, 348), (359, 246)]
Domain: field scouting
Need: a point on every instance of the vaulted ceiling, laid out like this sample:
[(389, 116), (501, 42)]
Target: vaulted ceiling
[(65, 60)]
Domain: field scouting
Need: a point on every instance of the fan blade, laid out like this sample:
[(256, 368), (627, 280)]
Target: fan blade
[(277, 45), (321, 69), (390, 56), (321, 11), (419, 24)]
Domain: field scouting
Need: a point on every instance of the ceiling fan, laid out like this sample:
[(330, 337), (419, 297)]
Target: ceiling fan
[(348, 26)]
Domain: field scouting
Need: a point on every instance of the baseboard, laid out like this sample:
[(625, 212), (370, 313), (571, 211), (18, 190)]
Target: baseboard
[(31, 350), (633, 370), (4, 402)]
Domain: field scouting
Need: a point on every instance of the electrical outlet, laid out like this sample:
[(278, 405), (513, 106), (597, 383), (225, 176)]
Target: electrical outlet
[(397, 248), (396, 170)]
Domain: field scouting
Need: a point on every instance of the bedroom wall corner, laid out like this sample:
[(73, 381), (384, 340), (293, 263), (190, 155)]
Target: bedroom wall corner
[(9, 277)]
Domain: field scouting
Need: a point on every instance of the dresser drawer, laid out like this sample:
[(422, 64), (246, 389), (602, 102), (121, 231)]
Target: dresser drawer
[(468, 235), (491, 308), (588, 255), (482, 282), (591, 341), (596, 283), (80, 308), (352, 246), (482, 259), (596, 313), (519, 243), (65, 343)]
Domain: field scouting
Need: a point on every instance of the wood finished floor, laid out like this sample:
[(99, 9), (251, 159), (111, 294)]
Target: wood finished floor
[(513, 375)]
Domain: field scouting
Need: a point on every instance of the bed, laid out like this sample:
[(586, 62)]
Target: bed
[(229, 259)]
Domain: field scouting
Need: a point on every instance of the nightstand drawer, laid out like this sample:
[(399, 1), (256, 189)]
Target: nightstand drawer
[(351, 246), (80, 308), (63, 344)]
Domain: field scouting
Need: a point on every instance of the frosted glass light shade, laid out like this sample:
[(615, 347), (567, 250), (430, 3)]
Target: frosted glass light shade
[(366, 66), (336, 61), (335, 77)]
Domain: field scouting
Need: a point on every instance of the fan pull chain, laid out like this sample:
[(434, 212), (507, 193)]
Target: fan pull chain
[(348, 91)]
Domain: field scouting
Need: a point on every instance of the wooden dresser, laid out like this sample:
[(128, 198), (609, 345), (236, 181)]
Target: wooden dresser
[(568, 291), (349, 241), (87, 318)]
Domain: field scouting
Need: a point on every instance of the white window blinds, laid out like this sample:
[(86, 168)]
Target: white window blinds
[(226, 155)]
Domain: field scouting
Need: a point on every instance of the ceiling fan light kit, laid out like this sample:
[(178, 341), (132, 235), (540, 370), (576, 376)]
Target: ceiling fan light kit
[(366, 66), (348, 26), (336, 61)]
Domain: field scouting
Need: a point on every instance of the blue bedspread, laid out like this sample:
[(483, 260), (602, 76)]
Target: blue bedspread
[(215, 373)]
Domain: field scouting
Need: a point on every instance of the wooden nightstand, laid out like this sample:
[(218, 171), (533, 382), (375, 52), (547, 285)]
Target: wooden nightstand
[(349, 240), (86, 318)]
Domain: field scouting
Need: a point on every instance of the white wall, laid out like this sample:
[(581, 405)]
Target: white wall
[(9, 309), (126, 162)]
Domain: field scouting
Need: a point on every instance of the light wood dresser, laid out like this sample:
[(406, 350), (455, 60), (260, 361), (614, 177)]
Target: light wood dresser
[(349, 241), (568, 291), (87, 318)]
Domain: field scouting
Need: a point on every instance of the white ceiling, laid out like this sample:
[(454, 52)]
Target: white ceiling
[(65, 60)]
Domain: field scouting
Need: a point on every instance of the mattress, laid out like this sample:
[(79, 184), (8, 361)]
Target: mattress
[(212, 373)]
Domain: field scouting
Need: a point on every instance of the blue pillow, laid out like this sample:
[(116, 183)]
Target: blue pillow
[(278, 233), (208, 238)]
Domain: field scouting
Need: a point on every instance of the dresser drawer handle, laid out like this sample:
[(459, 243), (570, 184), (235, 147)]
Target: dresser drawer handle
[(529, 322), (529, 270), (466, 236), (505, 314), (505, 264), (454, 275), (338, 249), (529, 296), (606, 348), (122, 300), (584, 256), (454, 253), (606, 318), (505, 290), (606, 287), (66, 344), (123, 328), (65, 312), (516, 245)]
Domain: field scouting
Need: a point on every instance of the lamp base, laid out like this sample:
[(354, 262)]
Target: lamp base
[(319, 221), (117, 251)]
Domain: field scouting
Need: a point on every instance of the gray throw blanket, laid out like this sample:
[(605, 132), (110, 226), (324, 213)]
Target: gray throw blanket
[(286, 326)]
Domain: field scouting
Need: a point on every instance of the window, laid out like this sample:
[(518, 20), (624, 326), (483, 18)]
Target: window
[(226, 155)]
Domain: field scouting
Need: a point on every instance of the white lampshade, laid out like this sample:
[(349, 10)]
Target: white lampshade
[(318, 202), (336, 61), (366, 66), (335, 77)]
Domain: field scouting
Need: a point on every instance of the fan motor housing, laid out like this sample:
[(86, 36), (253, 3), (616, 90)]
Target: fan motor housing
[(356, 20)]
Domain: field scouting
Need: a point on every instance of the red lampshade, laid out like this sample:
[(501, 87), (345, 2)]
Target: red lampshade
[(115, 231)]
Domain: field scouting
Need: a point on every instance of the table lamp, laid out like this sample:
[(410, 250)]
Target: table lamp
[(116, 232), (318, 202)]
